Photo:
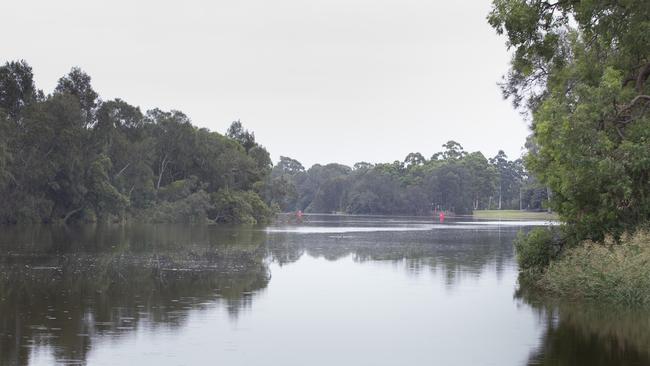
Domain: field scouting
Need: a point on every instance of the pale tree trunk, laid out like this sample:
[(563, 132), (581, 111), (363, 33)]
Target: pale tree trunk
[(121, 171), (499, 196), (163, 166)]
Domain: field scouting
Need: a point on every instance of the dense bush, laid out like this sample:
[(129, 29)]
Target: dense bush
[(617, 272), (581, 70), (536, 249), (69, 156), (244, 207), (192, 208)]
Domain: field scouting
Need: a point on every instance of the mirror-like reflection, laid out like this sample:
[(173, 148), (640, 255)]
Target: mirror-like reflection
[(333, 290), (60, 287), (589, 334)]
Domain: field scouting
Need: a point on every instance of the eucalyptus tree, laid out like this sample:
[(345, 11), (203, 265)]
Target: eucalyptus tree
[(17, 89), (580, 68), (237, 132), (78, 83), (509, 180), (69, 156), (414, 159)]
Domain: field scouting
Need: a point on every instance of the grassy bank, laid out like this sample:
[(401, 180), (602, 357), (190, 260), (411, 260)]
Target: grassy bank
[(607, 272), (513, 215)]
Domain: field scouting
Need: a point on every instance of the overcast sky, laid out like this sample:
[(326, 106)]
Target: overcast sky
[(320, 81)]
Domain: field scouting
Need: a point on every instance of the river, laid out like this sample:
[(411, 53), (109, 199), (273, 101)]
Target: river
[(333, 290)]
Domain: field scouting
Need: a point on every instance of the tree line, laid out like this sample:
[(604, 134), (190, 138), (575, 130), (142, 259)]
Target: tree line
[(70, 156), (451, 180)]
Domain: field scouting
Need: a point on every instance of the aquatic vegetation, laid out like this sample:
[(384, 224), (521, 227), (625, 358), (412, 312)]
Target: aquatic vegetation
[(612, 271)]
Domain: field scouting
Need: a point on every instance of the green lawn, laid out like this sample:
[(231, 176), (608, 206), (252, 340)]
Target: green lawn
[(513, 215)]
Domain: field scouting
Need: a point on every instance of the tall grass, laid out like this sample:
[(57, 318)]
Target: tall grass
[(613, 272)]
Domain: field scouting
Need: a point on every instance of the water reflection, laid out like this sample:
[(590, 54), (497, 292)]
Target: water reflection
[(62, 287), (453, 252), (69, 291), (589, 334)]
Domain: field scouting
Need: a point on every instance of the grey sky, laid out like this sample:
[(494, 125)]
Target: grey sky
[(320, 81)]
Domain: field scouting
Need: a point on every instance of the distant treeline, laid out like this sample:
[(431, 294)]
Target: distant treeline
[(451, 180), (70, 156)]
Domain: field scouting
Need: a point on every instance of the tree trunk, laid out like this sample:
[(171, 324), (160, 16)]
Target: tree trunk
[(499, 196), (163, 165)]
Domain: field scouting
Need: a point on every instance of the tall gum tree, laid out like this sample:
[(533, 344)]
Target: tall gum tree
[(580, 68)]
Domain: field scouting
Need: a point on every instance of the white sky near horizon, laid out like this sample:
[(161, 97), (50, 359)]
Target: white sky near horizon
[(320, 81)]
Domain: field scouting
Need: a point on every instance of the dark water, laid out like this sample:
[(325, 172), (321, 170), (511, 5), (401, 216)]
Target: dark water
[(333, 291)]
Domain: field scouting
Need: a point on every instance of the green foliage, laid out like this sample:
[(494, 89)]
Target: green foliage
[(288, 166), (536, 248), (102, 195), (77, 83), (190, 209), (72, 157), (244, 207), (17, 88), (453, 180), (581, 67), (179, 189), (237, 132), (510, 176), (613, 271)]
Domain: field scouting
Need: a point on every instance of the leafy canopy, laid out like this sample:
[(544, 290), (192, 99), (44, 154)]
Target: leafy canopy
[(580, 68)]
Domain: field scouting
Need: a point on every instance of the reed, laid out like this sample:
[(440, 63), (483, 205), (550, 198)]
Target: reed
[(610, 271)]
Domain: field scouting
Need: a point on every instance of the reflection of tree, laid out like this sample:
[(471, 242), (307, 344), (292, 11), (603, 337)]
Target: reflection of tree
[(284, 248), (61, 287), (589, 334), (455, 252), (58, 285)]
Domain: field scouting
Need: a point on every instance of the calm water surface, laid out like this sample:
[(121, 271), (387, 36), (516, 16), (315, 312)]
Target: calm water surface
[(334, 290)]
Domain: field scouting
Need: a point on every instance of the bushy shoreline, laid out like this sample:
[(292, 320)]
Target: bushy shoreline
[(612, 271)]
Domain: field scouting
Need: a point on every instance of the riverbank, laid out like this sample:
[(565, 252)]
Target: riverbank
[(513, 215), (615, 272)]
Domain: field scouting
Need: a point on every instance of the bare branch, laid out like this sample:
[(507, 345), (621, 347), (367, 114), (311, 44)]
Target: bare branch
[(69, 214), (121, 171)]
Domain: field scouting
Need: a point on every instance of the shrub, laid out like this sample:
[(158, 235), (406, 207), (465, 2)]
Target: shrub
[(192, 208), (536, 249), (238, 207), (612, 271), (179, 189)]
